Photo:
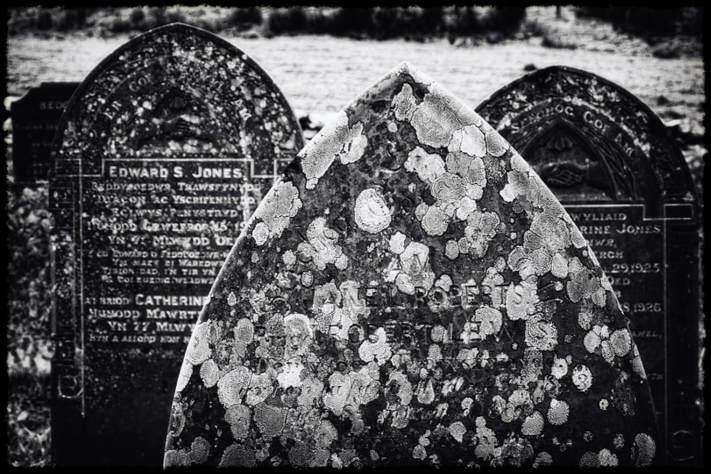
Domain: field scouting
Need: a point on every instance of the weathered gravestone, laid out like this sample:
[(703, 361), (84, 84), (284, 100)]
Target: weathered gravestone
[(162, 155), (35, 118), (623, 180), (411, 293)]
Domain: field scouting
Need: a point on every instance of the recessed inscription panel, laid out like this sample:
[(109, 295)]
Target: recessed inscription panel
[(162, 155), (158, 233)]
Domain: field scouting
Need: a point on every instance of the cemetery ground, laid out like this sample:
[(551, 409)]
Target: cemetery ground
[(318, 75)]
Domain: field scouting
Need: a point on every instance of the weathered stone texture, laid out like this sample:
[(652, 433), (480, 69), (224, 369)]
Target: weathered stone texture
[(411, 293), (162, 155)]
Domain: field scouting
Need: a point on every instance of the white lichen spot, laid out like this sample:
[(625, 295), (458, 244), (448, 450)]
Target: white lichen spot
[(199, 450), (489, 320), (451, 249), (322, 248), (541, 334), (336, 139), (559, 368), (355, 145), (403, 386), (244, 331), (559, 266), (419, 452), (412, 269), (607, 458), (582, 377), (404, 103), (495, 143), (621, 342), (260, 234), (288, 258), (457, 430), (438, 116), (198, 349), (298, 335), (233, 386), (521, 300), (335, 398), (231, 299), (470, 140), (643, 449), (479, 232), (311, 390), (238, 417), (307, 279), (435, 221), (371, 211), (279, 205), (186, 371), (269, 419), (209, 373), (558, 412), (426, 394), (533, 424), (397, 243), (290, 374), (428, 166), (337, 309), (375, 348)]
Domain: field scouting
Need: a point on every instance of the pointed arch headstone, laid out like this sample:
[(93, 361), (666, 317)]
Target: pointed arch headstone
[(411, 293), (622, 177), (161, 156)]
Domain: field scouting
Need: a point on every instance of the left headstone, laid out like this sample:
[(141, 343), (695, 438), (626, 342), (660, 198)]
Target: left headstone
[(161, 156), (34, 122)]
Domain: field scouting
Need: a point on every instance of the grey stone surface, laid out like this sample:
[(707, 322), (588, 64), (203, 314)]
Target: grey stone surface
[(411, 293), (161, 157)]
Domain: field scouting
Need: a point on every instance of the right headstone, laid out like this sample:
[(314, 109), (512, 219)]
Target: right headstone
[(614, 167)]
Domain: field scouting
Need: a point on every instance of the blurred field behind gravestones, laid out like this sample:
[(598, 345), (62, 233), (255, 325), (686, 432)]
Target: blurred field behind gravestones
[(321, 58)]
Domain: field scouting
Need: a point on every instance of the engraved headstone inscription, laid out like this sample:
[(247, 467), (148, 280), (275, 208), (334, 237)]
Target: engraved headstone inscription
[(161, 156), (35, 118), (411, 293), (623, 180)]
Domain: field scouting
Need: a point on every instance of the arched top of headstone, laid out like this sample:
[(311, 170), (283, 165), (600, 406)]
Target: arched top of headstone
[(612, 144), (175, 91), (411, 293), (160, 158)]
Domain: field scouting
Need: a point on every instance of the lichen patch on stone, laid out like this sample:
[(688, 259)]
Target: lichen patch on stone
[(412, 293)]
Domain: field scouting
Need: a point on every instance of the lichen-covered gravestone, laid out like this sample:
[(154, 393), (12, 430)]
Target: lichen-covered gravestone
[(162, 155), (411, 293), (624, 182)]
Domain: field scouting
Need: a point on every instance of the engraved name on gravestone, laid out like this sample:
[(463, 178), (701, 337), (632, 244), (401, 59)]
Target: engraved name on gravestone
[(411, 293), (35, 118), (622, 178), (163, 153)]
